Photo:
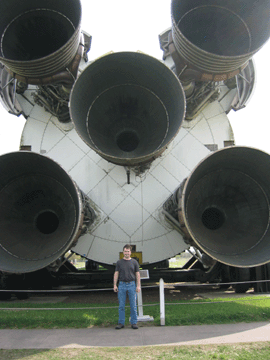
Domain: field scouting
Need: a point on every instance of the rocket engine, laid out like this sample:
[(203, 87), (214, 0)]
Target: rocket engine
[(127, 107), (42, 44), (211, 43), (223, 206), (213, 40), (39, 39), (42, 212)]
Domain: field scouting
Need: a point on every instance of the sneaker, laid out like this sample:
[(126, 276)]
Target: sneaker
[(134, 326), (120, 326)]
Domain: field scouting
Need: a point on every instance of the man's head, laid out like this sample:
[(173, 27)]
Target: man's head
[(127, 251), (127, 246)]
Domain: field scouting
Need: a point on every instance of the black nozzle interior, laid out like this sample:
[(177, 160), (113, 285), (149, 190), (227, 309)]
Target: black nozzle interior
[(213, 218), (36, 34)]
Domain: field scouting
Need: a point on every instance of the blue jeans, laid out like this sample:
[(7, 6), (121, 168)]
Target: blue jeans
[(123, 289)]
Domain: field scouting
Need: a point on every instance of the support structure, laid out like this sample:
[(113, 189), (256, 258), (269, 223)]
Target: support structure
[(162, 302), (144, 275)]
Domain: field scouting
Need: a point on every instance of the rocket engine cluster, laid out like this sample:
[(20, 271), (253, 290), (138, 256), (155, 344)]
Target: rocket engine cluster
[(128, 148)]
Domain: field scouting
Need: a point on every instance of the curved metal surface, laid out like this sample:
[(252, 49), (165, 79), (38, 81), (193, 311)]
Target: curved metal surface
[(39, 38), (41, 212), (225, 206), (127, 107), (219, 36)]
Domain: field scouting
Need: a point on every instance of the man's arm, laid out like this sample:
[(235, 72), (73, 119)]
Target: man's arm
[(115, 279), (138, 281)]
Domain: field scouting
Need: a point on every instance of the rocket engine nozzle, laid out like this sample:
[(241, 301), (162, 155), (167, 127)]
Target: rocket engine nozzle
[(216, 38), (127, 107), (41, 212), (38, 38), (225, 206)]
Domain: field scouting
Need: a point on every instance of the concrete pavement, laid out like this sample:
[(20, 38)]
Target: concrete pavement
[(154, 335)]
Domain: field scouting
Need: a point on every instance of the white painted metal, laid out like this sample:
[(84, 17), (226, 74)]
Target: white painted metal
[(162, 302), (141, 317)]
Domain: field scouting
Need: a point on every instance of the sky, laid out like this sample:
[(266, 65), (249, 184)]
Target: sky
[(125, 25)]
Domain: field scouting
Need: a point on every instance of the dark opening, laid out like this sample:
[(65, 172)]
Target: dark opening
[(47, 222), (213, 218), (36, 34), (127, 141)]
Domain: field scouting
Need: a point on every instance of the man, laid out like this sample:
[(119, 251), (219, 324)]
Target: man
[(127, 271)]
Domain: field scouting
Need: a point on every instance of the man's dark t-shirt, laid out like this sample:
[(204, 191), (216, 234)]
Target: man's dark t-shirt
[(127, 269)]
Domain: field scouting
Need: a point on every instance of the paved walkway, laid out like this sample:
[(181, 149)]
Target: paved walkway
[(158, 335)]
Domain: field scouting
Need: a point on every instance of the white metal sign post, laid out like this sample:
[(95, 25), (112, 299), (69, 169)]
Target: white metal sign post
[(162, 302), (144, 275)]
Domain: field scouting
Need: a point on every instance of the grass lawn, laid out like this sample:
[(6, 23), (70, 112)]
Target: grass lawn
[(208, 352), (193, 312), (208, 311)]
